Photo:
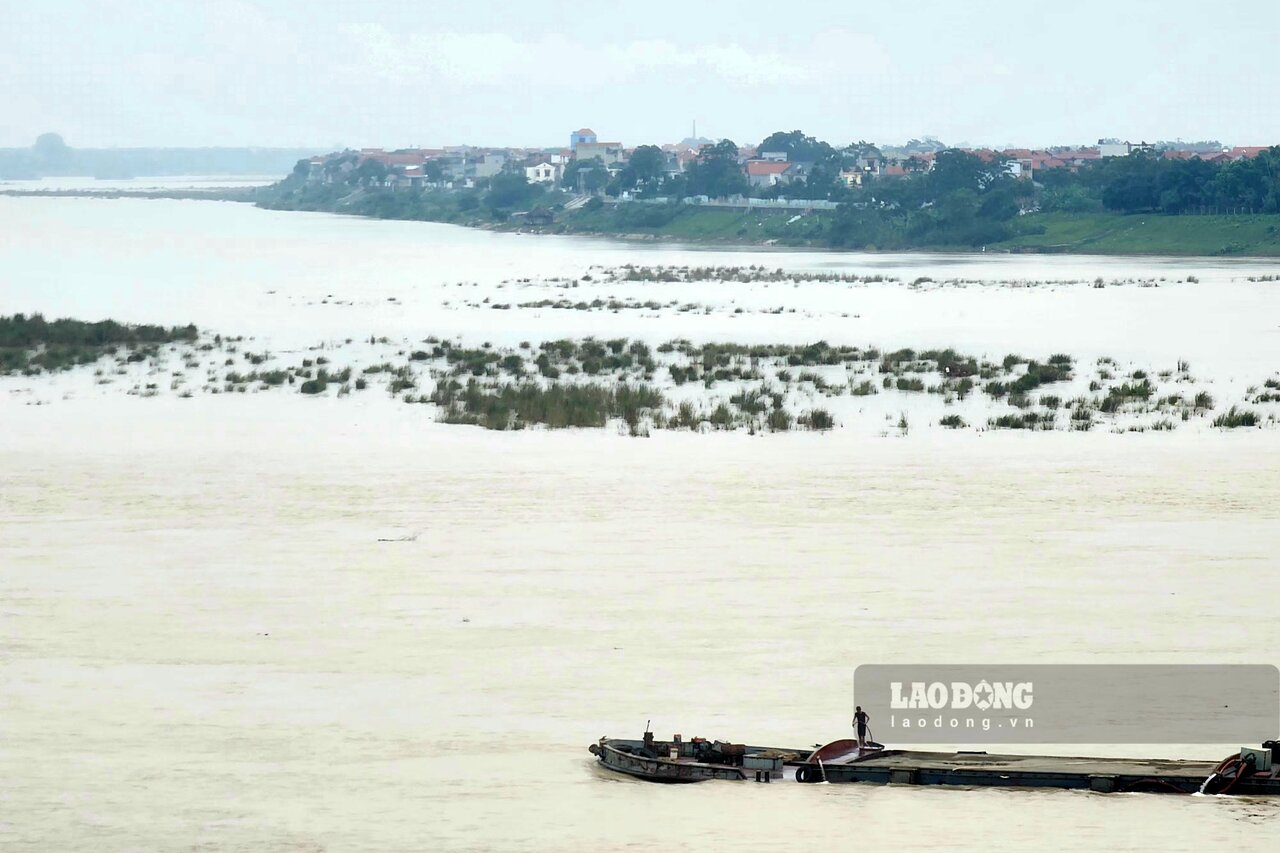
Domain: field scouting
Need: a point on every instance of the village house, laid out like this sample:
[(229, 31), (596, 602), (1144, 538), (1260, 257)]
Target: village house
[(609, 153), (412, 177), (868, 161), (1075, 158), (852, 177), (1246, 152), (1116, 148), (405, 157), (1206, 156), (1025, 159), (896, 167), (484, 165), (1112, 148), (1036, 161), (450, 165), (767, 173), (331, 168), (544, 172)]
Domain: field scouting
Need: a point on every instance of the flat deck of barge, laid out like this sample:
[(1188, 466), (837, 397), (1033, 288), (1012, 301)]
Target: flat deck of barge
[(980, 769)]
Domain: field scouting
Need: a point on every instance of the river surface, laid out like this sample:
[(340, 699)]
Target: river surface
[(268, 623)]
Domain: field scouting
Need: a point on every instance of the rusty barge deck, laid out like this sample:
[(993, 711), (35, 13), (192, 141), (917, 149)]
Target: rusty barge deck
[(1104, 775)]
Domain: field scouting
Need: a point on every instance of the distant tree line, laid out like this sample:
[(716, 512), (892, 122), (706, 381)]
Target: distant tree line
[(1146, 182)]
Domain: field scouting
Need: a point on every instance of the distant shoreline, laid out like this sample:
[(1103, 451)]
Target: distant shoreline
[(240, 194)]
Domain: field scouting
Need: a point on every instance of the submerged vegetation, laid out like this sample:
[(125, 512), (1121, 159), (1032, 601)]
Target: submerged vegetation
[(32, 344), (745, 274), (677, 385), (512, 405), (1234, 417)]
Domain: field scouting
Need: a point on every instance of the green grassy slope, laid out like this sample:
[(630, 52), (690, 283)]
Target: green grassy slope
[(1110, 234), (1151, 234), (700, 224)]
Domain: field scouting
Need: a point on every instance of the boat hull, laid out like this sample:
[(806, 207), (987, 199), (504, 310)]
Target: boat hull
[(633, 758)]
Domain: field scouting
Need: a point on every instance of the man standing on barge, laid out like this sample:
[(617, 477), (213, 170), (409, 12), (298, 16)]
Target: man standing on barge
[(860, 720)]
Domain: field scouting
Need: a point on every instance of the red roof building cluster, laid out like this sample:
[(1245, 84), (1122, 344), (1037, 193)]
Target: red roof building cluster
[(765, 168)]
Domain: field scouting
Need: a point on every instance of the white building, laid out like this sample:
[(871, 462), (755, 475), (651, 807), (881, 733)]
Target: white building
[(542, 173), (1112, 148)]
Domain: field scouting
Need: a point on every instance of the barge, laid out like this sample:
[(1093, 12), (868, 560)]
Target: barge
[(1251, 771)]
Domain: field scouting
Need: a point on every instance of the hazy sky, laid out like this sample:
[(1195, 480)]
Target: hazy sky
[(432, 72)]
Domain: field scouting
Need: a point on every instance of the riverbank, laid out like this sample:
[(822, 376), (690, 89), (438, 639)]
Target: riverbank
[(1085, 234), (1239, 236)]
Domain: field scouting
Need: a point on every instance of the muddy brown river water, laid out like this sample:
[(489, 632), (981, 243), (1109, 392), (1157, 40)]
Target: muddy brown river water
[(264, 623)]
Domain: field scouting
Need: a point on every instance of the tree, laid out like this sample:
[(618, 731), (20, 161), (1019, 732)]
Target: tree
[(594, 180), (955, 170), (578, 175), (370, 172), (509, 190), (716, 173), (823, 182), (50, 145), (1131, 184), (675, 186), (1068, 197), (336, 167), (1183, 185), (643, 173), (862, 148), (648, 165), (51, 150), (798, 147)]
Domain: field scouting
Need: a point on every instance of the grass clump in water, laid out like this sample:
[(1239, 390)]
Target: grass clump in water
[(1235, 417), (1024, 420), (779, 420), (557, 406), (817, 419)]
